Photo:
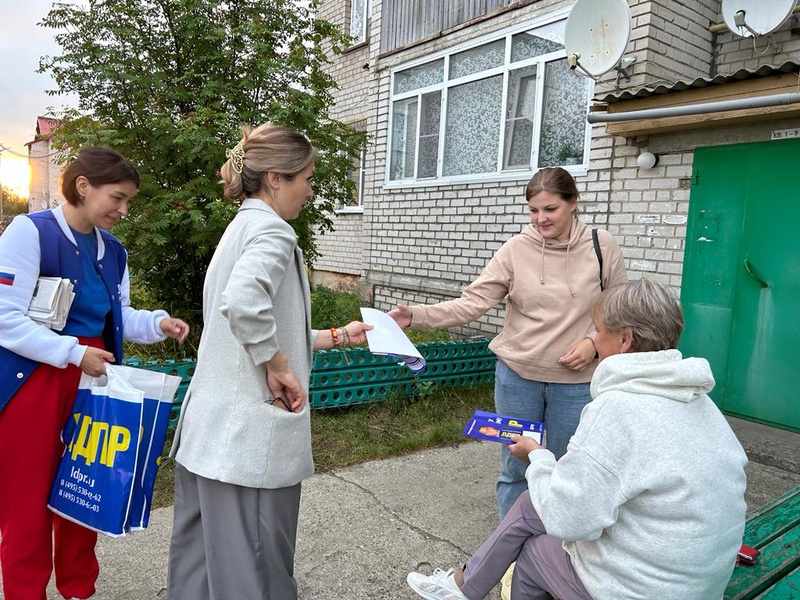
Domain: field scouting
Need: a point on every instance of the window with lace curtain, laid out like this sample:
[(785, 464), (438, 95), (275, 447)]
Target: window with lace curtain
[(359, 20), (500, 108)]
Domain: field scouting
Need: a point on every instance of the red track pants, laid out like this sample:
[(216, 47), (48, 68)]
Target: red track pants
[(34, 540)]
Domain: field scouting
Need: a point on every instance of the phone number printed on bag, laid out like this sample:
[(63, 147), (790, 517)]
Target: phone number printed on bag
[(70, 497), (80, 490)]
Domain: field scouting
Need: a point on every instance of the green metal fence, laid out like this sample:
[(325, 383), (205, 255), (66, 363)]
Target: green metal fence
[(340, 379)]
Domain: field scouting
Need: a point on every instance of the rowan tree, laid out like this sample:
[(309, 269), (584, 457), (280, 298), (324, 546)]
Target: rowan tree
[(168, 83)]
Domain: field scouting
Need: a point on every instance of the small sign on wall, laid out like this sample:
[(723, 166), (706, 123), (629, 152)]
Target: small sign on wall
[(785, 134)]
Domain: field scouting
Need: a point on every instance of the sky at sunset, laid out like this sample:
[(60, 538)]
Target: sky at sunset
[(22, 90)]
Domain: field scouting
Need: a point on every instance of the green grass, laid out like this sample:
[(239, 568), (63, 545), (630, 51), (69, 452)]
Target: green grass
[(342, 437)]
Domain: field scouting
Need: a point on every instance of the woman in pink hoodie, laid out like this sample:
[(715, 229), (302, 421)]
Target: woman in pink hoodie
[(549, 275)]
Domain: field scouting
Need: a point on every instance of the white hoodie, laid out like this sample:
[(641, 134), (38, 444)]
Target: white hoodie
[(650, 495)]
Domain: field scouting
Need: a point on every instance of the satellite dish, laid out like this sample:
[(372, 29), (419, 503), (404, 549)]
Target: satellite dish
[(751, 18), (596, 35)]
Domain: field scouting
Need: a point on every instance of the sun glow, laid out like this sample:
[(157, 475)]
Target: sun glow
[(15, 175)]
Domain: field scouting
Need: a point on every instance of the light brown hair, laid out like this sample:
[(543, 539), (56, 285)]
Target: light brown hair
[(554, 180), (267, 148)]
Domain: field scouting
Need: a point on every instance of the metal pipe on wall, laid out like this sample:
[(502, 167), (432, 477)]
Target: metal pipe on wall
[(695, 109)]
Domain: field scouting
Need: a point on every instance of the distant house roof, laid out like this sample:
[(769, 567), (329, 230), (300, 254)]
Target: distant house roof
[(44, 129), (680, 86)]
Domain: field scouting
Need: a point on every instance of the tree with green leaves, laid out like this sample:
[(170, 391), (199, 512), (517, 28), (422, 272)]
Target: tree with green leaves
[(168, 84), (13, 203)]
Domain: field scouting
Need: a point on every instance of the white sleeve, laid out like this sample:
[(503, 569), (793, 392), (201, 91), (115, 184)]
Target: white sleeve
[(140, 326), (247, 301), (579, 496), (19, 255), (576, 497)]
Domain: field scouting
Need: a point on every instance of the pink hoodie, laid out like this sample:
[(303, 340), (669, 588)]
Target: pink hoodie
[(549, 286)]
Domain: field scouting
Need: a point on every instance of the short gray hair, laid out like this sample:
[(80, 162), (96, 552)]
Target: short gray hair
[(648, 309)]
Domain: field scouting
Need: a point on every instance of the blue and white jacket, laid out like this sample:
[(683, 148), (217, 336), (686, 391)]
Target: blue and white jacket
[(42, 244)]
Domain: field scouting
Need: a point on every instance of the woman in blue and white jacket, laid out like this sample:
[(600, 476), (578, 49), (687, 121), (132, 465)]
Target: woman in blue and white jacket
[(40, 368)]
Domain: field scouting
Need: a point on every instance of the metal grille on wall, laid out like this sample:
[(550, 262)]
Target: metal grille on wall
[(406, 21)]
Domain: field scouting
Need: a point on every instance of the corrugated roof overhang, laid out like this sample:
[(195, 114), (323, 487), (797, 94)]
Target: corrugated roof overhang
[(766, 80)]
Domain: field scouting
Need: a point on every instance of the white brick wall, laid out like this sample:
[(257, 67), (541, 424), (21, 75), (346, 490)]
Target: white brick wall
[(734, 52), (425, 244), (343, 250), (44, 190)]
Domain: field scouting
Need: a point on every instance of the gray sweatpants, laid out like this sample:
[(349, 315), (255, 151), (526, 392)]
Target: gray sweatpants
[(230, 541), (543, 566)]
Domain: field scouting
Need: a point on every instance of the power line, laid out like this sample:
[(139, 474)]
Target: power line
[(10, 151)]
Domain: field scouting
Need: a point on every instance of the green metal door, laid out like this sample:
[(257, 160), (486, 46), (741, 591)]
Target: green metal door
[(741, 277)]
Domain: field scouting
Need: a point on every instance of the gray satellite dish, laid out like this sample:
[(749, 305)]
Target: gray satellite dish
[(752, 18), (596, 36)]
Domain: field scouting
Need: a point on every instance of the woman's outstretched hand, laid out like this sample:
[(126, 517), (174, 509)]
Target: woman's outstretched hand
[(357, 332), (402, 315)]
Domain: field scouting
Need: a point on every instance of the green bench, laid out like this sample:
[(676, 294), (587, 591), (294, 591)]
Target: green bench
[(773, 529)]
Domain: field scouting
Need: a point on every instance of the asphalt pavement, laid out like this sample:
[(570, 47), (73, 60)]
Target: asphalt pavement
[(363, 528)]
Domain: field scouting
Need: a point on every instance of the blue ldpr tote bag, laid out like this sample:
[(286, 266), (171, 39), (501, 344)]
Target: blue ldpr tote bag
[(159, 389), (113, 444)]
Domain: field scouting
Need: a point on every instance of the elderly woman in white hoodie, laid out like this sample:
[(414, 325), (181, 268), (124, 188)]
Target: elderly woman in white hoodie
[(648, 501)]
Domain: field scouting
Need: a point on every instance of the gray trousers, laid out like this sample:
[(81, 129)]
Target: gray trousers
[(230, 541), (543, 569)]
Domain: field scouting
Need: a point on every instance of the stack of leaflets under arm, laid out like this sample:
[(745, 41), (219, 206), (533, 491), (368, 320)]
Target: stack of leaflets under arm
[(52, 298)]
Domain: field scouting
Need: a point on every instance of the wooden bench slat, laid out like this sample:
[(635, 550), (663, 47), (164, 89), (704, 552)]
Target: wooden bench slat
[(773, 503), (778, 558), (773, 519), (787, 588)]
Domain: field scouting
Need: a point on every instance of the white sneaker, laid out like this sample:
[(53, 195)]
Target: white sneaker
[(439, 586)]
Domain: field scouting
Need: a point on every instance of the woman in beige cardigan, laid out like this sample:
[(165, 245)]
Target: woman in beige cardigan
[(243, 444)]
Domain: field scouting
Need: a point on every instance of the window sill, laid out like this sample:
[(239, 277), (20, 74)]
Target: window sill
[(574, 170), (358, 46), (349, 210)]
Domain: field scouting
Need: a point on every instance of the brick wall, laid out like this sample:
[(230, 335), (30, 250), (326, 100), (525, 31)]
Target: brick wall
[(344, 250), (735, 52), (44, 191), (425, 244)]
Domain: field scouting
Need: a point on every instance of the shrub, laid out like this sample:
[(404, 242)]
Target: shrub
[(330, 308)]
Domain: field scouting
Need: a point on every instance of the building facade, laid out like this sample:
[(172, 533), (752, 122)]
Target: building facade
[(44, 187), (464, 101)]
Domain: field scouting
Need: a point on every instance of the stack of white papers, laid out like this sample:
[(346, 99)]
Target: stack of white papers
[(387, 338), (51, 301)]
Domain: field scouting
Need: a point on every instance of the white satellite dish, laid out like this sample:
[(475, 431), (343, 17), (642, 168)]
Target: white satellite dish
[(596, 35), (752, 18)]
